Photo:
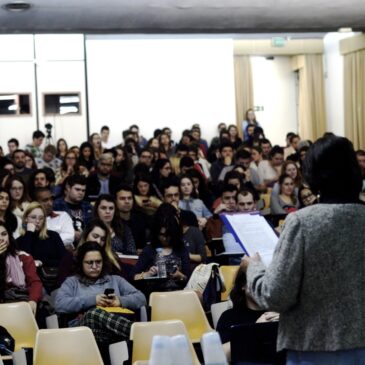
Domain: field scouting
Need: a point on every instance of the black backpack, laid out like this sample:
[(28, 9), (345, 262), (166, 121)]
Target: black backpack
[(7, 342)]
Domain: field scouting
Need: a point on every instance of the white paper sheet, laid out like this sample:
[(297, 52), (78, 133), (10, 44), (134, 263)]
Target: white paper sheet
[(254, 233)]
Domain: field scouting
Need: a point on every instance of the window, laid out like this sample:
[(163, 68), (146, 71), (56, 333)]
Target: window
[(62, 104), (14, 104)]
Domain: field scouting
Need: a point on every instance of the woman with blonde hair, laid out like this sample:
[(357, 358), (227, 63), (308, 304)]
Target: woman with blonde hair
[(46, 247), (98, 232)]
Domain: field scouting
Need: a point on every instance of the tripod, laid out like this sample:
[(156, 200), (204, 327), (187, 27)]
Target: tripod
[(49, 139)]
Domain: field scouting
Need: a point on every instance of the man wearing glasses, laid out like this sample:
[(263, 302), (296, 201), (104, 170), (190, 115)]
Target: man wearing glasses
[(102, 182)]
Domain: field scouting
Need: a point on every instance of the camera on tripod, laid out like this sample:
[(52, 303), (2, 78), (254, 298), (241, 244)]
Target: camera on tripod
[(48, 127)]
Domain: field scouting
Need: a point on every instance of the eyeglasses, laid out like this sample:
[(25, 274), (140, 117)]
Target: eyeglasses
[(307, 196), (36, 218), (176, 195), (93, 262)]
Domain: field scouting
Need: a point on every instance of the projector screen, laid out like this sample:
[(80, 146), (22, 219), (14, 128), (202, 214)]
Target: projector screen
[(158, 82)]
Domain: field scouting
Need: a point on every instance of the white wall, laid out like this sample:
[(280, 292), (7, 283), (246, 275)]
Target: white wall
[(60, 68), (275, 89), (60, 61), (154, 82), (160, 82), (17, 76), (334, 83)]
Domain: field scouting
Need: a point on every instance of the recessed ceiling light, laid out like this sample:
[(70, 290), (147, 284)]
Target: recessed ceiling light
[(17, 6), (345, 30)]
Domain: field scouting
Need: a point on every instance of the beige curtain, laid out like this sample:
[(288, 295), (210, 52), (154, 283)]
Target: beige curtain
[(311, 113), (243, 88), (354, 85)]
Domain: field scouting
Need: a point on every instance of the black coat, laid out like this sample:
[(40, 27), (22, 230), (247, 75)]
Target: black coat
[(93, 186)]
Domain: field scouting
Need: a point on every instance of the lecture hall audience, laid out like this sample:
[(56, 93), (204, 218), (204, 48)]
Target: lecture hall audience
[(114, 214)]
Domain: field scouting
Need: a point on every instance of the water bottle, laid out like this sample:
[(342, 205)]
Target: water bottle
[(161, 351), (161, 264), (212, 349), (181, 350)]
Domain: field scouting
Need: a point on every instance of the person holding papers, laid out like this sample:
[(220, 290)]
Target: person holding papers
[(316, 276)]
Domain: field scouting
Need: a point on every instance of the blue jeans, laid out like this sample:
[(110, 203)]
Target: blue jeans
[(347, 357)]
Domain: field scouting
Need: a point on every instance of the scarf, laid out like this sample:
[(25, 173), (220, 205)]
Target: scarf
[(14, 271)]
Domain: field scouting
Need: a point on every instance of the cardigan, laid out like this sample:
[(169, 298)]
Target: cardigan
[(50, 250), (196, 206), (76, 296), (316, 279)]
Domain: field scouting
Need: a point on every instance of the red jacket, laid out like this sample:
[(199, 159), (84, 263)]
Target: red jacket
[(32, 280)]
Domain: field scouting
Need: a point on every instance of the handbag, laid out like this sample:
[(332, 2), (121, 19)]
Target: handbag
[(208, 281), (48, 276), (15, 294)]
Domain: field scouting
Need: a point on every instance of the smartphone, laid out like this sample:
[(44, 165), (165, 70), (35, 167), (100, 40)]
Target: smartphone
[(109, 292)]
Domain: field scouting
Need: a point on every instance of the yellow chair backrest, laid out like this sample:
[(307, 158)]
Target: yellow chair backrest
[(71, 346), (267, 199), (229, 275), (19, 320), (184, 305), (142, 334)]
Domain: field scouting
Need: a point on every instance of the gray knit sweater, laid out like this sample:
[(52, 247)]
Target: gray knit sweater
[(317, 279)]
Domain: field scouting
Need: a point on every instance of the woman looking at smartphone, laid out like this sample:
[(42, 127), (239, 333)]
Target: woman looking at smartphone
[(84, 294)]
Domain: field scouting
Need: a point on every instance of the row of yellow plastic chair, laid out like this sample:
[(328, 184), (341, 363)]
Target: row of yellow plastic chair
[(175, 306), (77, 346)]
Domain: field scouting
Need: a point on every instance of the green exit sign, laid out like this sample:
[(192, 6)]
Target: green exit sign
[(278, 41)]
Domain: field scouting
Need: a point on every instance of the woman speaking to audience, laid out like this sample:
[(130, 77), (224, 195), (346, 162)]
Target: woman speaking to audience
[(317, 275)]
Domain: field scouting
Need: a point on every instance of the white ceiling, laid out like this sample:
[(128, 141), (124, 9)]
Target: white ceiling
[(184, 16)]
